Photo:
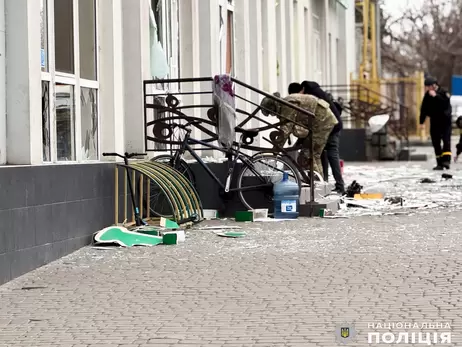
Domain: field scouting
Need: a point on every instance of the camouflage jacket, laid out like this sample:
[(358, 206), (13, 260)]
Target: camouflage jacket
[(323, 116)]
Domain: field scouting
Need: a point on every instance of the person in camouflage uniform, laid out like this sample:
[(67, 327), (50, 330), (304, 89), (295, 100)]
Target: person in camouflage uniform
[(323, 123)]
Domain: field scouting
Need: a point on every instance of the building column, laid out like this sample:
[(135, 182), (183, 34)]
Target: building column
[(111, 77), (281, 38), (207, 29), (136, 68), (242, 52), (23, 82), (289, 42), (268, 29), (256, 53), (189, 55)]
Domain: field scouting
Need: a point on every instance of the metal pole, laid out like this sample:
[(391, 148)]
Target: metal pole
[(310, 123)]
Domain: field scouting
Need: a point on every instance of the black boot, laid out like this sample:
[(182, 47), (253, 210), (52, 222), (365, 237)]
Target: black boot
[(446, 160), (439, 165)]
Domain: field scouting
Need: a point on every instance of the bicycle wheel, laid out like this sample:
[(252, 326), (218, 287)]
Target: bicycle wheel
[(304, 178), (159, 202), (262, 173)]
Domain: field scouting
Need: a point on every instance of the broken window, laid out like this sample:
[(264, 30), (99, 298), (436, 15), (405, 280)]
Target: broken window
[(65, 122), (46, 121), (159, 64), (89, 123), (230, 43)]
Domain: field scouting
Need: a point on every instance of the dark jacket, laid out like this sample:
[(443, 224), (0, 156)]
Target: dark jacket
[(314, 89), (438, 108)]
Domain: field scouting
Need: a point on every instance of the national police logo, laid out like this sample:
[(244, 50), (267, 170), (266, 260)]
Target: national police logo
[(345, 332)]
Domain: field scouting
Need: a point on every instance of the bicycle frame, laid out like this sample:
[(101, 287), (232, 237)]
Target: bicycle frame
[(186, 146)]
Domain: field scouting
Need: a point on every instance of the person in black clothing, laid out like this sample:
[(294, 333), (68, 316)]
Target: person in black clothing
[(436, 104), (331, 151)]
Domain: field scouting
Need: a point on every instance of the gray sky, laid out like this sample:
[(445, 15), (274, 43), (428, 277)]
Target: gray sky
[(395, 7)]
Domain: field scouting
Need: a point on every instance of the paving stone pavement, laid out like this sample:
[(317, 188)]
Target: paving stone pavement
[(285, 284)]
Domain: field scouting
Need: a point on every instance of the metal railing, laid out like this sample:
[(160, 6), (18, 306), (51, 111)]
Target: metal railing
[(193, 102)]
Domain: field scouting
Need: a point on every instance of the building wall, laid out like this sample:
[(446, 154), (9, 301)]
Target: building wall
[(275, 43), (50, 211)]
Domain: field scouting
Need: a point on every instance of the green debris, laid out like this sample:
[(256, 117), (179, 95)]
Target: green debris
[(243, 216), (125, 238), (173, 237), (168, 224), (149, 230), (232, 234)]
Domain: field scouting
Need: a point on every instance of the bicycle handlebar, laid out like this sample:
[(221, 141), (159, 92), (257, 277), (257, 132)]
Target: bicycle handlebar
[(126, 155)]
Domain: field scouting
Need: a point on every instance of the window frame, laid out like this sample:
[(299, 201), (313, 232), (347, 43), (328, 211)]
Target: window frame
[(52, 77), (170, 40), (227, 6)]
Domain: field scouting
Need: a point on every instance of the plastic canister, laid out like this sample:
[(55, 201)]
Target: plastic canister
[(286, 198)]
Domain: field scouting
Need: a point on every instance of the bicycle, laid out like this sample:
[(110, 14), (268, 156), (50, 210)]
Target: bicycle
[(138, 220), (284, 153), (245, 186)]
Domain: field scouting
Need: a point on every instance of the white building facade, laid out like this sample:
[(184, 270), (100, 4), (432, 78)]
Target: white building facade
[(71, 88), (74, 68)]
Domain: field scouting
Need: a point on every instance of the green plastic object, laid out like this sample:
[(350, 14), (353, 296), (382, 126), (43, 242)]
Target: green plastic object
[(243, 216), (232, 234), (125, 237), (149, 231), (173, 237), (170, 239), (168, 224)]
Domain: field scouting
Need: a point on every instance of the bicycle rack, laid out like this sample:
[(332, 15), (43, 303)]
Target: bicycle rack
[(178, 192)]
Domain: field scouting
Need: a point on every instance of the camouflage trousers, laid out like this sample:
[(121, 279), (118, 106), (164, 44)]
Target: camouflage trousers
[(320, 135)]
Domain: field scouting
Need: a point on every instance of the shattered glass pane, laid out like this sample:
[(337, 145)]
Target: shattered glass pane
[(46, 121), (89, 112), (65, 122)]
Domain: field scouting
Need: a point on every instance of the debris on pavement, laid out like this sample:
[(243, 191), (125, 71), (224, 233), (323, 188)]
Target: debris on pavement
[(373, 196), (232, 234), (404, 189), (123, 237), (427, 180), (267, 220), (168, 224), (210, 214), (219, 227), (173, 237), (353, 189), (243, 216), (395, 200), (325, 212)]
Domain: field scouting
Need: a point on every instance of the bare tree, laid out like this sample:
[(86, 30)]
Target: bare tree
[(428, 38)]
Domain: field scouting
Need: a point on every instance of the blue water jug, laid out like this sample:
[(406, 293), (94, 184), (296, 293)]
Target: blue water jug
[(286, 198)]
